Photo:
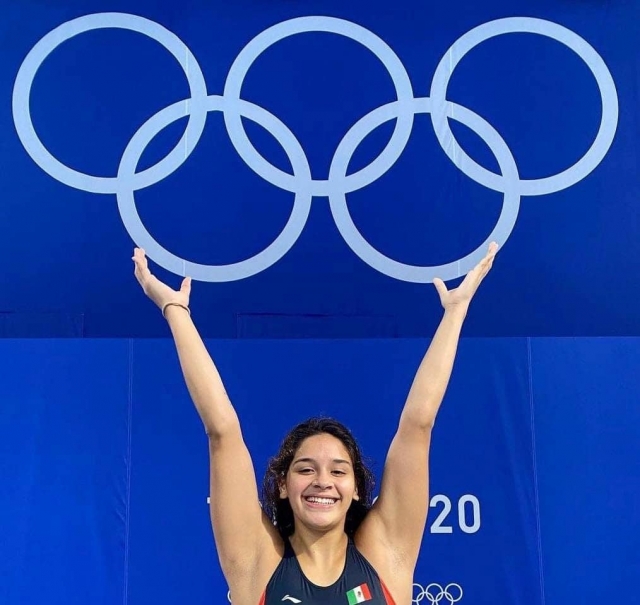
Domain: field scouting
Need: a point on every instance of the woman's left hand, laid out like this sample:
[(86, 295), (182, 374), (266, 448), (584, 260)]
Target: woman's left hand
[(461, 296)]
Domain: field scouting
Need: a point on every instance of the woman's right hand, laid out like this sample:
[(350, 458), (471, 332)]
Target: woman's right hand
[(159, 293)]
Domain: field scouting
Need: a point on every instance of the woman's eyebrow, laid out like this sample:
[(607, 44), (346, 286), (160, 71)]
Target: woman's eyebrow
[(312, 460)]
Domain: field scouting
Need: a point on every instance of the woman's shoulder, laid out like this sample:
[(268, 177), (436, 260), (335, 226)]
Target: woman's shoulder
[(248, 583), (393, 570)]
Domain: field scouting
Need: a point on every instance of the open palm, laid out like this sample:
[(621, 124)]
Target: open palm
[(158, 292), (463, 294)]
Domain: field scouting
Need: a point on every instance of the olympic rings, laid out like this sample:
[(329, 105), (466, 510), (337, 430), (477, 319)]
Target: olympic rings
[(434, 593), (301, 183), (70, 29)]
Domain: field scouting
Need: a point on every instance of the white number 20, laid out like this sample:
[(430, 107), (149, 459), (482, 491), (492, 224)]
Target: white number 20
[(438, 526)]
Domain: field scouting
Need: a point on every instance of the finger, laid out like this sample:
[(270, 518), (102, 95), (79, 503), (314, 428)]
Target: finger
[(139, 266), (141, 275), (140, 257), (185, 287), (485, 264), (491, 254), (440, 287), (141, 271), (138, 277), (482, 270)]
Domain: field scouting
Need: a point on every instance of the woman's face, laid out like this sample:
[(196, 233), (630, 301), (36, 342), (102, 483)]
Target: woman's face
[(320, 483)]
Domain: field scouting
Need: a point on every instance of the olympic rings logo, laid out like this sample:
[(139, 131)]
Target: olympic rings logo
[(434, 593), (338, 184)]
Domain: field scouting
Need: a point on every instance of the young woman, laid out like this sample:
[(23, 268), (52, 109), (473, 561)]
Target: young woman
[(316, 539)]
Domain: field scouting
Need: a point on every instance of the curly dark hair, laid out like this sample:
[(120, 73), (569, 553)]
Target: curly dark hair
[(279, 510)]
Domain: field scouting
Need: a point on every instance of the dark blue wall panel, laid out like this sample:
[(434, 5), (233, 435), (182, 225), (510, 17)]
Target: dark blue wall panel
[(64, 407), (482, 452), (540, 101), (587, 427)]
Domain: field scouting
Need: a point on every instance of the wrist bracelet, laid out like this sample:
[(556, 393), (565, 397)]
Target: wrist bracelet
[(174, 304)]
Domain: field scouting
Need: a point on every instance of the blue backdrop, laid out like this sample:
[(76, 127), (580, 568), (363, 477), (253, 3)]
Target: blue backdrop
[(385, 146), (544, 105), (535, 452)]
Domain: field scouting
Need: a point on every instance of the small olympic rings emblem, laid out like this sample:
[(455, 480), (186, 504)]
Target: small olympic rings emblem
[(339, 183), (434, 593)]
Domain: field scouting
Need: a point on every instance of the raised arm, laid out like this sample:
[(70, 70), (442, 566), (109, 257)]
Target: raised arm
[(391, 533), (242, 533)]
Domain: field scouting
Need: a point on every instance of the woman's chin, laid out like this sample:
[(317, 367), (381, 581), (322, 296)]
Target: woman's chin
[(320, 521)]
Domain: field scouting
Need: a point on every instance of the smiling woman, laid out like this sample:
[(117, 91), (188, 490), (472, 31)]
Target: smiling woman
[(317, 539), (347, 463)]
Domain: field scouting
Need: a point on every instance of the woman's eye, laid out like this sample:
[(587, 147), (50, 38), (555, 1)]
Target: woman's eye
[(339, 473)]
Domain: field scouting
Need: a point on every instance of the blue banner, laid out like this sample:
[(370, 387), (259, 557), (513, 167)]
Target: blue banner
[(105, 464), (588, 461), (64, 463), (320, 162), (126, 467)]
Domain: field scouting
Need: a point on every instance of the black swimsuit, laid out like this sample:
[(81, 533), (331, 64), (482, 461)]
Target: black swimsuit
[(359, 583)]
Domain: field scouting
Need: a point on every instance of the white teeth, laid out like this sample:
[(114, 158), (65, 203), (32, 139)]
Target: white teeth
[(321, 500)]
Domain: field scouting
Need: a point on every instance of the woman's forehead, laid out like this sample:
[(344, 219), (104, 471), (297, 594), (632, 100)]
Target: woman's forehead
[(322, 446)]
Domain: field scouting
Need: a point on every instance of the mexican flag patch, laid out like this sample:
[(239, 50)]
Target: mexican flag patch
[(359, 594)]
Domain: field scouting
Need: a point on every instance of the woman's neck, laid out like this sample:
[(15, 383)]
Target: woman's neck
[(320, 555), (312, 543)]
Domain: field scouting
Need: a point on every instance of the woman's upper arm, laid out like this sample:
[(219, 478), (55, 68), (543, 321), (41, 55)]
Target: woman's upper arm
[(393, 529), (245, 538)]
